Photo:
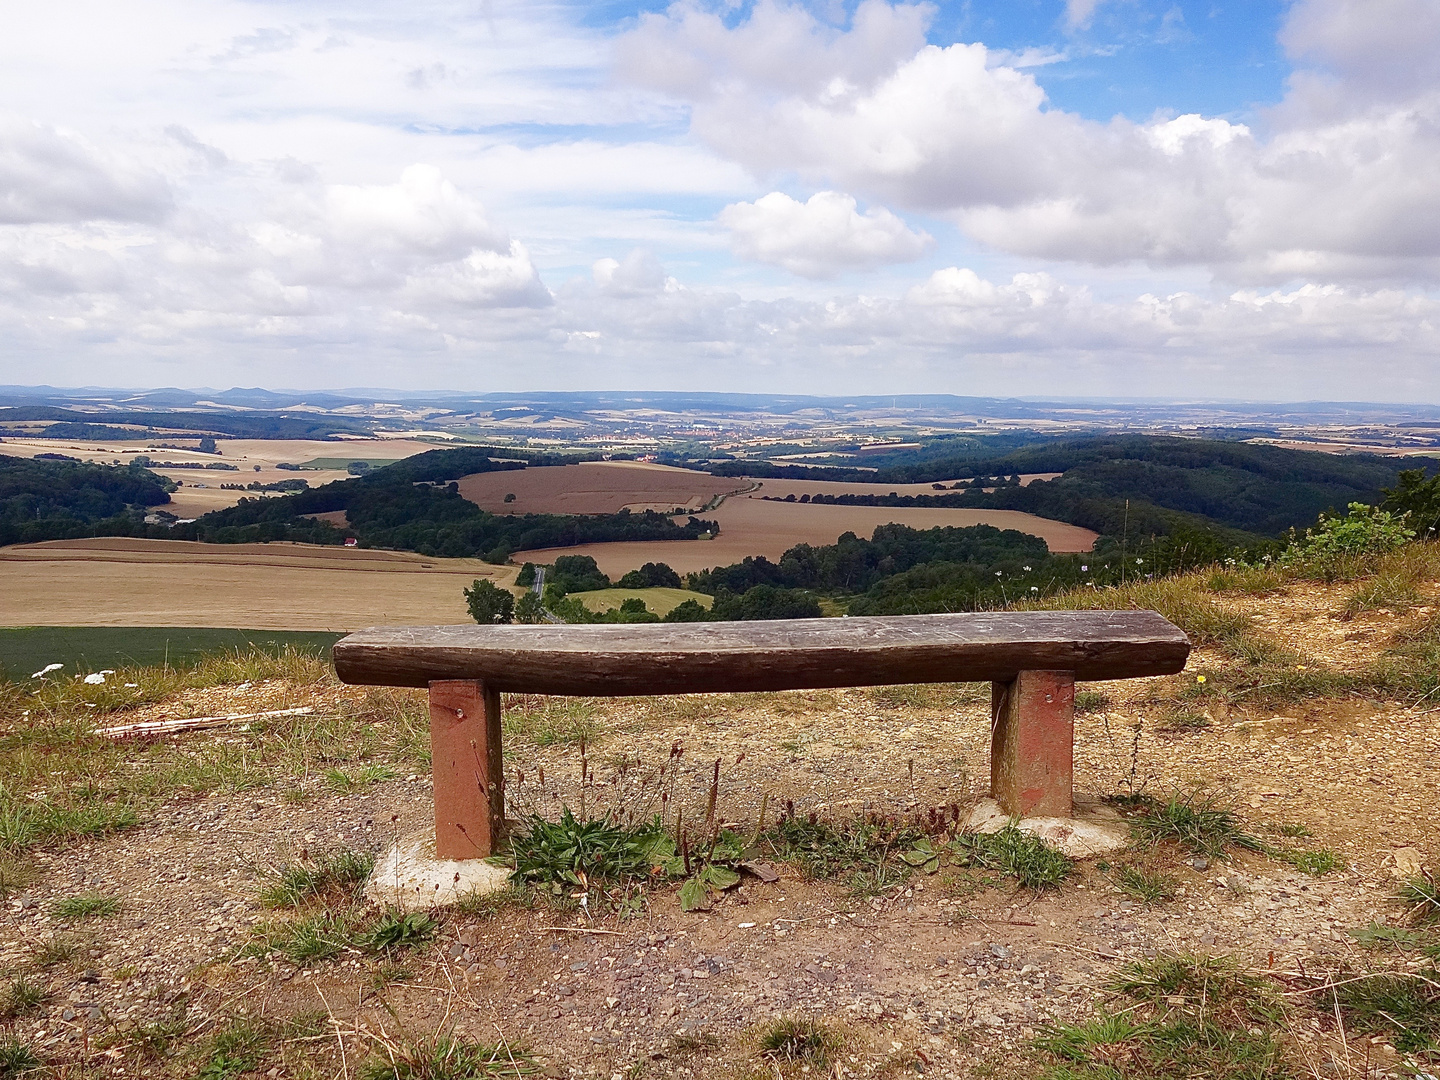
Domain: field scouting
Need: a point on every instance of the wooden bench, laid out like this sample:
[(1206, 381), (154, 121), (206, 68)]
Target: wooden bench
[(1032, 660)]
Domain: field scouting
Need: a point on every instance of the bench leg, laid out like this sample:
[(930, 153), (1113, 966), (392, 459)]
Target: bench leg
[(1032, 744), (469, 769)]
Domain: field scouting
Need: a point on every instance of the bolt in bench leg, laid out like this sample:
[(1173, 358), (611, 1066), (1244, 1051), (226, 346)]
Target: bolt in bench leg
[(1032, 744), (469, 769)]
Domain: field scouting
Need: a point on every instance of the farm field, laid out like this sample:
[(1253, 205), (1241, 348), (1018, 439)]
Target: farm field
[(597, 487), (659, 601), (127, 582), (753, 526), (779, 489), (83, 649), (193, 500)]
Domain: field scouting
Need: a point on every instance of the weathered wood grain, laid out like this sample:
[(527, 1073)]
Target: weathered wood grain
[(790, 654)]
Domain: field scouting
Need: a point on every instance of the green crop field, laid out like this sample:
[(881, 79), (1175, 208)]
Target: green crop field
[(83, 649), (342, 462), (660, 601)]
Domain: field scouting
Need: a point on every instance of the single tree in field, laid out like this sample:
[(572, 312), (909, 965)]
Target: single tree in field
[(488, 604)]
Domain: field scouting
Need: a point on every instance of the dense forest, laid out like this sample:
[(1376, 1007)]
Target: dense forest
[(61, 500)]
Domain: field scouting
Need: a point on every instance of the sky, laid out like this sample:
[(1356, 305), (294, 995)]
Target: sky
[(1216, 199)]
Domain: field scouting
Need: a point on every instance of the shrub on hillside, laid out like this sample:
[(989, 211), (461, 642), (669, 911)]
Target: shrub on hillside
[(1338, 547)]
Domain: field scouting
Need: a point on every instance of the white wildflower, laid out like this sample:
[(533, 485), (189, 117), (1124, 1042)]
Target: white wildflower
[(46, 670)]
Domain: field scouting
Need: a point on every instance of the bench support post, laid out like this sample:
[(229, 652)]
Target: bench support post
[(468, 767), (1032, 744)]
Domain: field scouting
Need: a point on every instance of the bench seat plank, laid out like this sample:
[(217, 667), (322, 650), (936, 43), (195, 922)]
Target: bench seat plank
[(611, 660)]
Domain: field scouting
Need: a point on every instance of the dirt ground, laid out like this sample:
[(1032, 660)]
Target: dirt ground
[(944, 975), (749, 525), (119, 581)]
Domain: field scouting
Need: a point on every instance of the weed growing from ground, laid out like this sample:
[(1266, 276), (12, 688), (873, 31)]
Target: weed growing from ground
[(1403, 1005), (868, 849), (1421, 894), (397, 930), (572, 852), (444, 1057), (1029, 860), (56, 949), (346, 783), (15, 874), (1187, 1016), (307, 941), (16, 1059), (797, 1039), (157, 1040), (22, 996), (1200, 826), (1091, 701), (232, 1050), (1317, 863), (339, 875), (91, 905), (1145, 887)]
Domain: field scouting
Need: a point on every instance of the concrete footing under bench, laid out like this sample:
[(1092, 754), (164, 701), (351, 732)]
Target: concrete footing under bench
[(1095, 829), (411, 878)]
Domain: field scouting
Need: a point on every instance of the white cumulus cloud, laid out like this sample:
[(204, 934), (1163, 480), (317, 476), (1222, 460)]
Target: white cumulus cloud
[(821, 237)]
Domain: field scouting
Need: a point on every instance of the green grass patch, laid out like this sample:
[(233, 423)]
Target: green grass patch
[(798, 1039), (309, 940), (84, 649), (330, 876), (1421, 895), (1029, 860), (89, 905), (1184, 1016), (232, 1050), (1147, 888), (551, 721), (1317, 863), (343, 463), (28, 823), (394, 930), (658, 601), (1091, 701), (17, 1059), (21, 997), (349, 781), (445, 1057), (1200, 826), (570, 852), (1401, 1005)]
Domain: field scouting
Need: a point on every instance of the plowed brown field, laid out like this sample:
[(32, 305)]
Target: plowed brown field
[(597, 487)]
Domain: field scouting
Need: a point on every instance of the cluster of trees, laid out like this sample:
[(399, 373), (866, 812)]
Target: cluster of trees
[(60, 500)]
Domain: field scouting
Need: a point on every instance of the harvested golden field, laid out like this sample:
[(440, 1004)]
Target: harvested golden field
[(200, 490), (752, 526), (597, 487), (126, 582), (780, 488)]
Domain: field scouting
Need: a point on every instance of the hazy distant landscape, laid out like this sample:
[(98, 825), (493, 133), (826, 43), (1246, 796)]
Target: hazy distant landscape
[(187, 514)]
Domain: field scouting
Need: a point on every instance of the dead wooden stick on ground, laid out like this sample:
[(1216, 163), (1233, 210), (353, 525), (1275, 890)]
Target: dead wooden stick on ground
[(194, 723)]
